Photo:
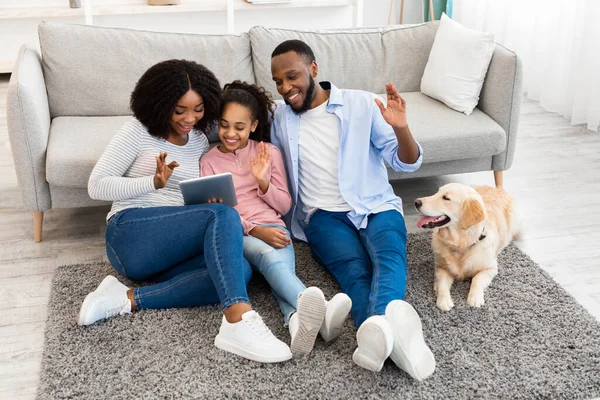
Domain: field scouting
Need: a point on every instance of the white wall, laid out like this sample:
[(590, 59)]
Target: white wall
[(216, 21), (377, 12), (32, 3), (17, 31)]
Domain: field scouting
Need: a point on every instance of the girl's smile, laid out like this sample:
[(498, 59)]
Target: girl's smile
[(235, 127)]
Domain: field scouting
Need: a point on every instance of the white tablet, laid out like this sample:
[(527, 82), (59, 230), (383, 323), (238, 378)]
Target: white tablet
[(200, 190)]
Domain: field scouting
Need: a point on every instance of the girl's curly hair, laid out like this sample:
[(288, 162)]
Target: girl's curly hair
[(159, 89), (257, 100)]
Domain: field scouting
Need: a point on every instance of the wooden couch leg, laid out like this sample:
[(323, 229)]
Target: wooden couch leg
[(498, 179), (38, 222)]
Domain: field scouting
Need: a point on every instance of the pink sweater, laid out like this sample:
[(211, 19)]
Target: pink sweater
[(254, 207)]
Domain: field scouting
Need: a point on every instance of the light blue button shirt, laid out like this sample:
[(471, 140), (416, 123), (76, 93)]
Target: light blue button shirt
[(366, 140)]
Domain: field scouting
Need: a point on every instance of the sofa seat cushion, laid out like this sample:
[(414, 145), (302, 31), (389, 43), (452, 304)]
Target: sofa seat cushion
[(447, 135), (75, 145)]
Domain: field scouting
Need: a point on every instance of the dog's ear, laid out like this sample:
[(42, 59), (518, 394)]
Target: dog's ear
[(471, 213)]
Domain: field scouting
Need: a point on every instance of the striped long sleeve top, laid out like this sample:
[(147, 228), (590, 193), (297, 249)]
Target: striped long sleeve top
[(124, 174)]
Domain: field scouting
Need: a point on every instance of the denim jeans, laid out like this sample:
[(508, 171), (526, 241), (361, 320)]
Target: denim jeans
[(193, 253), (278, 268), (369, 264)]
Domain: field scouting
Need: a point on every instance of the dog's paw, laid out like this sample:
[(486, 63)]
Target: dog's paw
[(445, 303), (475, 299)]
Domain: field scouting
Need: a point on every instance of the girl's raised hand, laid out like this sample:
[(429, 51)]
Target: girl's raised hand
[(163, 170), (259, 166)]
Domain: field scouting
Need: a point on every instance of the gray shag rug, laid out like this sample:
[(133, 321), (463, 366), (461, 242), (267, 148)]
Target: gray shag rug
[(530, 340)]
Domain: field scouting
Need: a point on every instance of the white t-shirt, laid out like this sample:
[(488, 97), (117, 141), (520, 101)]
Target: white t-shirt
[(319, 142)]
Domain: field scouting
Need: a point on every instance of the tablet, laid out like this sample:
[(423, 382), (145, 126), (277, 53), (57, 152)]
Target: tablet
[(200, 190)]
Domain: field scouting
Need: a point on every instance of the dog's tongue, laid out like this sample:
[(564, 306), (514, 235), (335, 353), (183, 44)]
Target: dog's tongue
[(425, 220)]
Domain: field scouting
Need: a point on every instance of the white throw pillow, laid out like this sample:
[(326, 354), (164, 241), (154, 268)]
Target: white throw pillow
[(457, 65)]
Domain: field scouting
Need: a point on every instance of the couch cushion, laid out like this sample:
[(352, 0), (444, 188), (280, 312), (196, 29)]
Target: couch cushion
[(363, 59), (446, 134), (458, 62), (75, 145), (91, 71)]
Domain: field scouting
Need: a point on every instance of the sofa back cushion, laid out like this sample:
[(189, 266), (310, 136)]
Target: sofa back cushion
[(365, 58), (91, 71)]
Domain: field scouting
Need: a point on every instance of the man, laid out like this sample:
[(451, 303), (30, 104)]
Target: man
[(334, 144)]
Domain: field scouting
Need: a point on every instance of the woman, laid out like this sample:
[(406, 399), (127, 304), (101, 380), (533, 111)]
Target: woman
[(193, 253)]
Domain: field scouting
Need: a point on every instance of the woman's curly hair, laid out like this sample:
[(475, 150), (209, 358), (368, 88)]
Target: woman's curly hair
[(159, 89), (257, 100)]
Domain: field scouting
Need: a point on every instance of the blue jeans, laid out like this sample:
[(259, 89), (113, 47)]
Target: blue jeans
[(193, 253), (369, 264), (278, 268)]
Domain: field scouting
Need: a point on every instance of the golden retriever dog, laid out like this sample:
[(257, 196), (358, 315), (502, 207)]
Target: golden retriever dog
[(471, 226)]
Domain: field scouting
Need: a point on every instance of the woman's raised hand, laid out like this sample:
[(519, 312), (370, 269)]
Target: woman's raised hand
[(163, 170)]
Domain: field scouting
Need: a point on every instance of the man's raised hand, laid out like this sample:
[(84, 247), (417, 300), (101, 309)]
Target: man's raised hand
[(395, 112)]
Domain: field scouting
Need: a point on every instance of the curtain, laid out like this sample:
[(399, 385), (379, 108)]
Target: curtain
[(439, 6), (559, 43)]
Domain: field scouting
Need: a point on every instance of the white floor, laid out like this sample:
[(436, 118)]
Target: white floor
[(555, 176)]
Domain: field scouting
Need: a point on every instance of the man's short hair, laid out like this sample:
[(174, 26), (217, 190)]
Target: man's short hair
[(301, 48)]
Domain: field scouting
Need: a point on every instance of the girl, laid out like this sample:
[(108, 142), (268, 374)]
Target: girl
[(260, 183), (193, 253)]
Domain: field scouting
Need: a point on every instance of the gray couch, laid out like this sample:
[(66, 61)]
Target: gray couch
[(64, 107)]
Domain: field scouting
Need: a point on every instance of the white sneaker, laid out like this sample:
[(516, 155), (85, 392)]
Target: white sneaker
[(335, 315), (108, 300), (410, 352), (307, 320), (250, 338), (375, 343)]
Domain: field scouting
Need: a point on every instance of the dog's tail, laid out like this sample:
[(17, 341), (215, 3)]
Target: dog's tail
[(517, 222)]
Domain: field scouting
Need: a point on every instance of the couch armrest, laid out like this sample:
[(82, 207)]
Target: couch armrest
[(500, 99), (28, 118)]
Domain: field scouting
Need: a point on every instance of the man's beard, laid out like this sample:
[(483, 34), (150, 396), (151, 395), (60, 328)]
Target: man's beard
[(307, 99)]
